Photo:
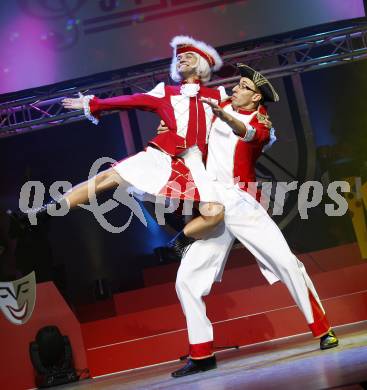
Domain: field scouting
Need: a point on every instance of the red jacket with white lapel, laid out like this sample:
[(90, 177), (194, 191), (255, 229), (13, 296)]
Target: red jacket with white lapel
[(232, 159), (186, 117)]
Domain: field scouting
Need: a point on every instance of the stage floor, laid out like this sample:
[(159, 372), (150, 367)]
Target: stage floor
[(292, 363)]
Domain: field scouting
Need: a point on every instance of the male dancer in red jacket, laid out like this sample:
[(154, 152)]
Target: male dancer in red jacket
[(177, 152), (237, 138)]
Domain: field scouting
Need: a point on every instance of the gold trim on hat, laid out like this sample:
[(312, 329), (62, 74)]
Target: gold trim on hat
[(259, 80)]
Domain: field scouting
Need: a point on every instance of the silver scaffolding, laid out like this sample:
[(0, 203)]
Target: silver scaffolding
[(289, 57)]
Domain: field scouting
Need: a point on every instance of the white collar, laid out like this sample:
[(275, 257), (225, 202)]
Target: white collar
[(190, 89)]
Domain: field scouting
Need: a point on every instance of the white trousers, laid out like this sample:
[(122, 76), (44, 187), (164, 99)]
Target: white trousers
[(204, 262)]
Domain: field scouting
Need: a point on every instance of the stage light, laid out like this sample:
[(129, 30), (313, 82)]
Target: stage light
[(51, 357)]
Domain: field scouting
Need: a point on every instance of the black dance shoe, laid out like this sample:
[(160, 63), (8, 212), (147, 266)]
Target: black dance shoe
[(194, 366), (22, 219), (178, 246), (329, 340)]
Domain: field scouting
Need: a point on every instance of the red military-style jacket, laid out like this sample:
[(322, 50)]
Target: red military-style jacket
[(231, 159), (188, 119)]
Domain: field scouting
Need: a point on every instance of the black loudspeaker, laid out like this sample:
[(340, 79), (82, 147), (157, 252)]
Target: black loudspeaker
[(51, 356)]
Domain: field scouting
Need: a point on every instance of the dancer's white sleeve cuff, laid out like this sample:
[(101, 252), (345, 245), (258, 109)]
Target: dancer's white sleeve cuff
[(250, 133), (86, 109)]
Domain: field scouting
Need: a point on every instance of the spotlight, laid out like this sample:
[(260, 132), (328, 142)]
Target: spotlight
[(51, 357)]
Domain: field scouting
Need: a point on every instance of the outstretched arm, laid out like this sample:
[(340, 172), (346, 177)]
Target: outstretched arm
[(238, 126), (93, 106), (139, 100)]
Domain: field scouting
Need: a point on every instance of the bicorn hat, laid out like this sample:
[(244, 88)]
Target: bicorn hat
[(261, 82)]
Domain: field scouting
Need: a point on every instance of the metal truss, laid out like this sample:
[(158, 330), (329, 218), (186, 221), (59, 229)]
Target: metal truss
[(288, 57)]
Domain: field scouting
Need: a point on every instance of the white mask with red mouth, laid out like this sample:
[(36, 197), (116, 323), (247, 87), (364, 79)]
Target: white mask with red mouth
[(18, 298)]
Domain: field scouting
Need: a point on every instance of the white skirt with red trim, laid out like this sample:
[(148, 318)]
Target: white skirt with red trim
[(156, 173)]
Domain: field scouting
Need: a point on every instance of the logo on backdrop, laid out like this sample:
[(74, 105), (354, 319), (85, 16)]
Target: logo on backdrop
[(17, 298)]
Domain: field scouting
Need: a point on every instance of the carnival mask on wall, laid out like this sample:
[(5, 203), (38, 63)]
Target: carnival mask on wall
[(17, 298)]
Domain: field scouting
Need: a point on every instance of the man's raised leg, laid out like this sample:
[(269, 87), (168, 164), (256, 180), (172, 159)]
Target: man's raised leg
[(103, 181), (78, 195)]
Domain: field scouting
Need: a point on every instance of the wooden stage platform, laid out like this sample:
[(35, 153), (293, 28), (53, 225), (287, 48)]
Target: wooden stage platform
[(294, 362)]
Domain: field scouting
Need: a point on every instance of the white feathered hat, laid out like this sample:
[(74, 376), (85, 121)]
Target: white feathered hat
[(183, 44)]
